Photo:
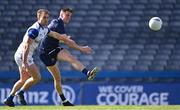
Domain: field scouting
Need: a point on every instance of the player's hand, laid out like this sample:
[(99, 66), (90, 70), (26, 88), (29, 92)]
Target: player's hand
[(86, 49), (25, 67)]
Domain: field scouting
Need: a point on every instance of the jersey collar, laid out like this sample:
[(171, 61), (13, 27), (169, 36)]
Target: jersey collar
[(40, 25)]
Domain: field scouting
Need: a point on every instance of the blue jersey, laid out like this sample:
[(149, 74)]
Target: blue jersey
[(50, 43)]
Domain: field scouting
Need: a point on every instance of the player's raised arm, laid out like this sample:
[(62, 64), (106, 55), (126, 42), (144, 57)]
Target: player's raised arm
[(71, 43), (60, 37)]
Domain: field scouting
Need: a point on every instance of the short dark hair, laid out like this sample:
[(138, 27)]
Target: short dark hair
[(67, 9)]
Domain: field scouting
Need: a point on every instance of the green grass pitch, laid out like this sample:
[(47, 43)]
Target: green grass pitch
[(169, 107)]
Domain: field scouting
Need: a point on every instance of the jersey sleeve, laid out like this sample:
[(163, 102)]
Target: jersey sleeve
[(33, 33), (54, 26), (57, 26)]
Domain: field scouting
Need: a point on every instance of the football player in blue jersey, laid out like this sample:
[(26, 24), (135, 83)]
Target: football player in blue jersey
[(50, 51)]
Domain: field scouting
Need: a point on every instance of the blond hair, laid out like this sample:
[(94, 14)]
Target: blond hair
[(40, 11)]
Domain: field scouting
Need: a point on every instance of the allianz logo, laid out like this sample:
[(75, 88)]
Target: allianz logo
[(41, 97)]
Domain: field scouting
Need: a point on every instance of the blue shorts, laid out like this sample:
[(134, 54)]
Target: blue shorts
[(49, 58)]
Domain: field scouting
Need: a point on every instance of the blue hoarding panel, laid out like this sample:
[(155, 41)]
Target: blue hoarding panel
[(101, 94), (131, 94), (44, 94)]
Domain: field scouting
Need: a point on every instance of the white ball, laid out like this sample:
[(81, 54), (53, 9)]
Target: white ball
[(155, 23)]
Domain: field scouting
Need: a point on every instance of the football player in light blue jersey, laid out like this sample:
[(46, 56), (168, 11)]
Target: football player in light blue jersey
[(29, 72)]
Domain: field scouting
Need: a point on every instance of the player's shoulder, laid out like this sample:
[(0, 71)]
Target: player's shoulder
[(60, 21), (53, 24), (57, 21), (36, 26), (54, 21)]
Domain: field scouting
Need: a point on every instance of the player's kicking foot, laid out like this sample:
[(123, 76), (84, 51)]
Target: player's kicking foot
[(21, 99), (9, 102), (92, 73), (67, 103)]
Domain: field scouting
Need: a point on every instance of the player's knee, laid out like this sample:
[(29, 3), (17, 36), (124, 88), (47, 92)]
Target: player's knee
[(21, 81)]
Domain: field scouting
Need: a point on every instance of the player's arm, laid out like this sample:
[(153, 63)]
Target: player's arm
[(65, 39), (60, 37), (71, 43), (74, 45), (27, 43), (32, 34)]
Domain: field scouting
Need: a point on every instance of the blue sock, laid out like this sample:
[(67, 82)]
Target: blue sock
[(21, 92), (62, 97), (85, 71), (10, 97)]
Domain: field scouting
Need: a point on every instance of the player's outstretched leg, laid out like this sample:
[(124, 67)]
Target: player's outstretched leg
[(65, 55), (92, 73), (20, 96), (9, 101)]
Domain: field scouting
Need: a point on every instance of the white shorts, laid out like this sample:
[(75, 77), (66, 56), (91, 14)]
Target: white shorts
[(18, 59)]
